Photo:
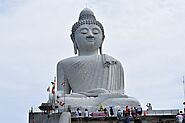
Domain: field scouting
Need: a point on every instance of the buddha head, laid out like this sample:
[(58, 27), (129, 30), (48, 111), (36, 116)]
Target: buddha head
[(87, 33)]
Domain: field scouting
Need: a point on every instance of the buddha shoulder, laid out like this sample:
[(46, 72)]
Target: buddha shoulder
[(110, 60), (68, 60), (96, 58)]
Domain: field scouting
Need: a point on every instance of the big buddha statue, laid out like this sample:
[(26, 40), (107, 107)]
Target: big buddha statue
[(91, 78)]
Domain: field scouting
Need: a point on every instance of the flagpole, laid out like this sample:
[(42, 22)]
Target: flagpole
[(184, 92), (183, 87), (63, 84), (63, 88), (54, 91)]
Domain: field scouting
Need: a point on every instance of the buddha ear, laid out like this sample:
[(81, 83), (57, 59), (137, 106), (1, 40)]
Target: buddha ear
[(100, 48), (74, 43), (75, 47), (103, 38)]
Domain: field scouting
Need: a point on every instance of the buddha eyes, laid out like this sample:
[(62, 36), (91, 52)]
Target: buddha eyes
[(95, 31), (84, 31)]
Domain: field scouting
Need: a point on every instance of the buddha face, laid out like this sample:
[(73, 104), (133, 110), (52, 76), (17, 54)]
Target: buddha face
[(88, 37)]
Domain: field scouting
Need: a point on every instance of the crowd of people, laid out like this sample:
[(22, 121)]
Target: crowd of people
[(124, 115), (128, 113)]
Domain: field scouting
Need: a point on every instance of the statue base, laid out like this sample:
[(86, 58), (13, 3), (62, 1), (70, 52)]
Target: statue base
[(107, 100)]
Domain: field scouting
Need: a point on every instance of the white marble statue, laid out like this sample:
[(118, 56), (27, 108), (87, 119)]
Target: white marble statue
[(91, 78)]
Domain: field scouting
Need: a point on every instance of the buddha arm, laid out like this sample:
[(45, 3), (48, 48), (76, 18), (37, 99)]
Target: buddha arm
[(62, 82)]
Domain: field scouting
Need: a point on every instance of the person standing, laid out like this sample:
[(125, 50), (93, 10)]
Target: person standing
[(149, 105), (127, 111), (86, 115), (111, 111), (179, 118), (126, 116), (119, 115), (78, 115), (139, 110), (78, 112), (133, 112), (106, 112)]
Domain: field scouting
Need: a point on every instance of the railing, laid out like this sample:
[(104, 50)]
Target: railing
[(162, 112)]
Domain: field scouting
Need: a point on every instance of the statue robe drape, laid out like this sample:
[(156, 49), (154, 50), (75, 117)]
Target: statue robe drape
[(84, 73)]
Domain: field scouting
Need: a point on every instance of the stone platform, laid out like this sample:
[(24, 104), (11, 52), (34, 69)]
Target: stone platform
[(43, 117)]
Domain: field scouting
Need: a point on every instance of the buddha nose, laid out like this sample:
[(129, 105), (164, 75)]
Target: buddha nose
[(90, 33)]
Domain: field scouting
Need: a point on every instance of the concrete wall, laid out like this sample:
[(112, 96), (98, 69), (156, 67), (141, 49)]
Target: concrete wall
[(40, 117)]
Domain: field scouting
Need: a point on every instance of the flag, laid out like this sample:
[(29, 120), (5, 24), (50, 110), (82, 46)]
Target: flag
[(51, 88), (61, 103)]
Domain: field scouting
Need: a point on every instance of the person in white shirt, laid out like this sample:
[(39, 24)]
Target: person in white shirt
[(78, 115), (78, 112), (86, 115), (179, 118)]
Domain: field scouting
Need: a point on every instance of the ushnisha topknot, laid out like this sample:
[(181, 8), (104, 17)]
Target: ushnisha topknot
[(86, 14), (86, 17)]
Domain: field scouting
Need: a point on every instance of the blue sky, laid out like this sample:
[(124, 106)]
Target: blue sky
[(147, 37)]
